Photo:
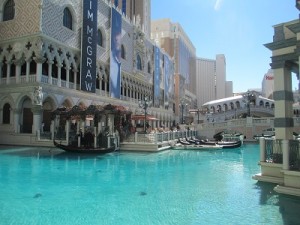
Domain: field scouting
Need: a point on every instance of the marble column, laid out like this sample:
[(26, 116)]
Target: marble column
[(37, 111), (283, 96), (59, 66), (50, 63), (8, 72), (17, 114), (39, 68)]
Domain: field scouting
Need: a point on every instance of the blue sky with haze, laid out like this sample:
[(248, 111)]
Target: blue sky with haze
[(236, 28)]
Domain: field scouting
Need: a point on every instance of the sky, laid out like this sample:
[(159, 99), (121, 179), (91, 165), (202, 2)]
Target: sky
[(236, 28)]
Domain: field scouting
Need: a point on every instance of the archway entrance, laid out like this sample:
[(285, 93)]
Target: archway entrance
[(27, 117)]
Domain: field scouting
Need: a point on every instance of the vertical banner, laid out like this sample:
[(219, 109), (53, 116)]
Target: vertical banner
[(115, 54), (167, 80), (89, 45), (156, 80)]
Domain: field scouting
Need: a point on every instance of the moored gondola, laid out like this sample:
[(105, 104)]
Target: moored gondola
[(75, 149)]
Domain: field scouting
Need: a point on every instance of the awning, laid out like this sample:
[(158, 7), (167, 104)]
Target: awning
[(142, 117)]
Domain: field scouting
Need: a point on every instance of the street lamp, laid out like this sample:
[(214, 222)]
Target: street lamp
[(182, 105), (145, 104)]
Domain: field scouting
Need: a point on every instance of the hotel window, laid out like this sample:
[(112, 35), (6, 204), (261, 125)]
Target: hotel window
[(9, 10), (100, 38), (123, 53), (67, 20), (138, 62)]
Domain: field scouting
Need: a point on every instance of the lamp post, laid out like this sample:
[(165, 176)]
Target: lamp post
[(182, 105), (144, 104)]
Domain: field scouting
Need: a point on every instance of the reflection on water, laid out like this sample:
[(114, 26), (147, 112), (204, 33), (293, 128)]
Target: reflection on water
[(289, 206)]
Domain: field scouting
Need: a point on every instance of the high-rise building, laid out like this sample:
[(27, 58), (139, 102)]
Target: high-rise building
[(172, 38), (211, 80), (268, 84)]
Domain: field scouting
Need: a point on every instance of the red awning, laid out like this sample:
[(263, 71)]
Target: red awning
[(142, 117)]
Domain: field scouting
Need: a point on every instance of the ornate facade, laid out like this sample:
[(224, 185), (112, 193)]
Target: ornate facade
[(40, 43)]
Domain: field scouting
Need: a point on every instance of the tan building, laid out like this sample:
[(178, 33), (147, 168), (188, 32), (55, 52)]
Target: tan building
[(172, 38)]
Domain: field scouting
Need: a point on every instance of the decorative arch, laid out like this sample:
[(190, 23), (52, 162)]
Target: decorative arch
[(69, 18), (8, 10)]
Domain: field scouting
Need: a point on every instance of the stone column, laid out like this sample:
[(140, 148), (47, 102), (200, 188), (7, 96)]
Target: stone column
[(262, 145), (285, 155), (17, 113), (18, 64), (37, 111), (27, 69), (50, 63), (68, 76), (59, 66), (52, 129), (283, 97), (8, 72), (75, 78), (39, 68), (67, 128)]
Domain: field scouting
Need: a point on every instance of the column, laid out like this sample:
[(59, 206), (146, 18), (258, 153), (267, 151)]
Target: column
[(17, 113), (59, 66), (8, 72), (39, 68), (27, 69), (67, 128), (37, 111), (18, 64), (50, 63), (283, 97), (262, 146), (68, 76), (285, 155), (75, 78), (52, 129)]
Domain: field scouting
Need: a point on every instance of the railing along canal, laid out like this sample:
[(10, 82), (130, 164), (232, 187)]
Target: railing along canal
[(274, 153)]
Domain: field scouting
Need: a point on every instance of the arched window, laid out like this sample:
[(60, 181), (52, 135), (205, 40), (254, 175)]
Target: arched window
[(100, 38), (6, 114), (123, 55), (9, 10), (138, 62), (68, 20)]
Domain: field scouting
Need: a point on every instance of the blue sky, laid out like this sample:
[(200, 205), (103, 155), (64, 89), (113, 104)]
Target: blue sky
[(236, 28)]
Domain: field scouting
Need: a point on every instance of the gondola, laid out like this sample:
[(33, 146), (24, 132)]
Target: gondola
[(224, 144), (88, 150)]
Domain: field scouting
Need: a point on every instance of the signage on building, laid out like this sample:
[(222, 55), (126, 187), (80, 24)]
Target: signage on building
[(89, 45), (269, 78), (115, 54)]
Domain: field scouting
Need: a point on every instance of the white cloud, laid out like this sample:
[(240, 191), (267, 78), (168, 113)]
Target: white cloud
[(218, 4)]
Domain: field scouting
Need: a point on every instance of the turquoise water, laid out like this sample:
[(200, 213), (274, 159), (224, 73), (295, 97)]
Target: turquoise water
[(46, 186)]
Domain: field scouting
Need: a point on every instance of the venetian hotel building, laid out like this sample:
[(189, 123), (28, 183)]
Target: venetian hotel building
[(42, 45)]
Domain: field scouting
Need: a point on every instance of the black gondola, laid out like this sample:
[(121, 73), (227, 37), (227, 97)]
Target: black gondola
[(75, 149), (224, 144)]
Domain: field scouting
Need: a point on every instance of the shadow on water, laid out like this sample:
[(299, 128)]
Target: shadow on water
[(50, 152), (289, 206)]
